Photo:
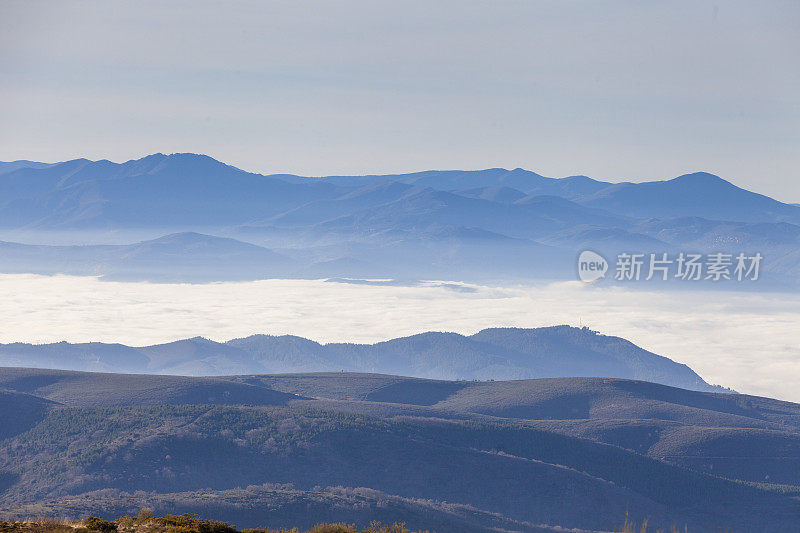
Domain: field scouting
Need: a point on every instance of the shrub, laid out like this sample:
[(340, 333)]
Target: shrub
[(377, 527), (333, 528), (187, 523), (93, 523)]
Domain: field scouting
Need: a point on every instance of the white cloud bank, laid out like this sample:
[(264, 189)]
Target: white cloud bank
[(742, 340)]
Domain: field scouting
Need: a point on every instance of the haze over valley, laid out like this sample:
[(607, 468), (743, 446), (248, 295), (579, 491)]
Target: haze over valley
[(399, 267), (170, 247), (202, 220), (740, 340)]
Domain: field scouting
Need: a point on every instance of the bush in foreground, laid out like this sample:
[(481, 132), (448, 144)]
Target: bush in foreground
[(145, 522)]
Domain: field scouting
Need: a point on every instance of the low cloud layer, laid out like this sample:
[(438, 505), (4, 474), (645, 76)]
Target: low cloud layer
[(741, 340)]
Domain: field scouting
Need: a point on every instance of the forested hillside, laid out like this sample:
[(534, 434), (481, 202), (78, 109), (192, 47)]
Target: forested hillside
[(471, 456)]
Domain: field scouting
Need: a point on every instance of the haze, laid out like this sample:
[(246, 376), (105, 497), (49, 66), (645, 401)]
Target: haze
[(741, 340), (619, 91)]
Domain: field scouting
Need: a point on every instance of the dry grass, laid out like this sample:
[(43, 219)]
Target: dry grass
[(40, 525), (145, 522), (631, 527)]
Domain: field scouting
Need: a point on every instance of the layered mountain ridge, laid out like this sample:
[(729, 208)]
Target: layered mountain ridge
[(424, 225), (496, 353)]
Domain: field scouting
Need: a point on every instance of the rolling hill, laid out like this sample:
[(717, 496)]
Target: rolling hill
[(98, 389), (179, 257), (498, 353), (473, 456), (288, 508)]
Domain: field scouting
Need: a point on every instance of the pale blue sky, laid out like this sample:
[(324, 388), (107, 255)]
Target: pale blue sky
[(615, 90)]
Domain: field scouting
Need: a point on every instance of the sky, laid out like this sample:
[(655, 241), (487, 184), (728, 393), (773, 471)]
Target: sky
[(740, 340), (621, 90)]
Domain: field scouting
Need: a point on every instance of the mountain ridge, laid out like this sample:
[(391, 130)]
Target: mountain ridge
[(183, 256), (383, 226), (494, 353), (185, 165)]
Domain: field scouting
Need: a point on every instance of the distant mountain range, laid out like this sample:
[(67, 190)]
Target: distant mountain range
[(545, 455), (178, 257), (420, 225), (498, 353)]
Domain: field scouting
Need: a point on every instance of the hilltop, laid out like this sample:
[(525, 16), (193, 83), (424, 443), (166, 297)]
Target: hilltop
[(445, 455), (494, 353)]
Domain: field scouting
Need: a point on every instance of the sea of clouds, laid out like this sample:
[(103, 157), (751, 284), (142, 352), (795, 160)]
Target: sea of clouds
[(741, 340)]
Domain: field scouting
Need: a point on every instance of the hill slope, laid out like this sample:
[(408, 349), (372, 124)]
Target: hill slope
[(510, 353), (179, 257), (700, 194), (468, 445)]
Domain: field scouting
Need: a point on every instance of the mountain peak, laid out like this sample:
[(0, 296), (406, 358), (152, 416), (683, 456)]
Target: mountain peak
[(184, 236), (190, 156), (182, 162), (700, 177), (151, 157)]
